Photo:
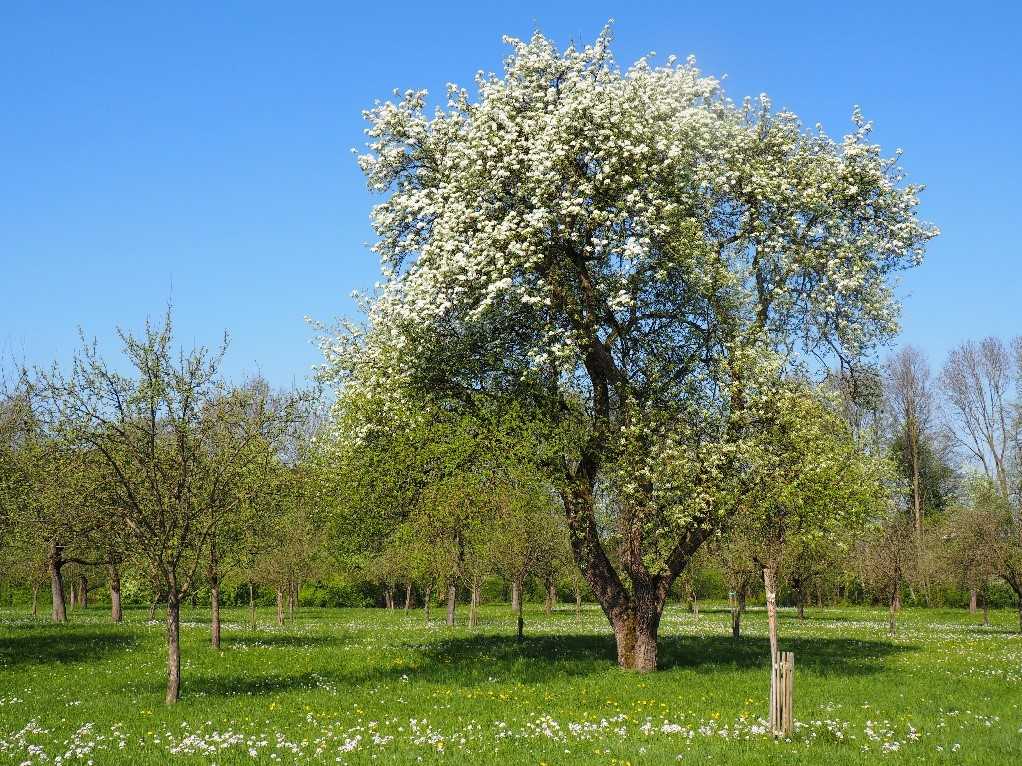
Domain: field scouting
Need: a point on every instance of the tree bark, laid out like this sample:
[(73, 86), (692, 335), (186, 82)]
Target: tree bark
[(408, 597), (800, 599), (251, 605), (214, 598), (214, 610), (770, 586), (173, 647), (473, 610), (280, 606), (516, 595), (116, 612), (452, 600), (972, 600), (152, 606), (736, 616), (54, 562)]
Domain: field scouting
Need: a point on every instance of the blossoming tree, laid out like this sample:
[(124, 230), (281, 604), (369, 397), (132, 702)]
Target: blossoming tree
[(633, 254)]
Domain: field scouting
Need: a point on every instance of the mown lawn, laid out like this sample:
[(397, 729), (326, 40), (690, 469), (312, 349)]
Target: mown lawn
[(363, 686)]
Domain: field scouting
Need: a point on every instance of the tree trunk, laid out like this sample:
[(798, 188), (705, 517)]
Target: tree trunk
[(736, 616), (1019, 600), (214, 609), (388, 598), (770, 586), (54, 562), (214, 598), (516, 595), (292, 597), (972, 601), (280, 606), (427, 598), (800, 600), (251, 605), (173, 646), (83, 591), (473, 610), (116, 613), (635, 631), (578, 602), (408, 597), (452, 599), (152, 606), (72, 590), (695, 602), (35, 599)]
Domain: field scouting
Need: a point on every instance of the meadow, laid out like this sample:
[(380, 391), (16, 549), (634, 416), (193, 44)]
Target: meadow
[(371, 686)]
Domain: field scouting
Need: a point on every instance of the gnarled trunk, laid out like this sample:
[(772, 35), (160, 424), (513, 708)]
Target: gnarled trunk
[(116, 612), (173, 647), (635, 630), (54, 563)]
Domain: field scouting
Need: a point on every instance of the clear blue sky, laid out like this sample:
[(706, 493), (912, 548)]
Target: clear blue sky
[(158, 150)]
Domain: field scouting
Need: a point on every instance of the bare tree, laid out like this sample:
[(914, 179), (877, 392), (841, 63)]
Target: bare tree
[(978, 379), (910, 400)]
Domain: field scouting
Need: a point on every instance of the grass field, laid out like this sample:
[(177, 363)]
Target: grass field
[(368, 686)]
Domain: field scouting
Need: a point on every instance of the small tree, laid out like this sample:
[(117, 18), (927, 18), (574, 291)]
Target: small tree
[(169, 443), (887, 558)]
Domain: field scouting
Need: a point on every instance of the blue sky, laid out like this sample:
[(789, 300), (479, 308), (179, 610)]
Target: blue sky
[(202, 153)]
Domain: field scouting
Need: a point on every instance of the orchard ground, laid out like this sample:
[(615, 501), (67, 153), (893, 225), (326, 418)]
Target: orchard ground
[(372, 686)]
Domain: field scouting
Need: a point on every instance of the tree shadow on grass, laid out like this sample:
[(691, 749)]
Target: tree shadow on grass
[(64, 644), (467, 660)]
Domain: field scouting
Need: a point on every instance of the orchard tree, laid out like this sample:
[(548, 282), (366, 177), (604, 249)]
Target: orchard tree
[(632, 253), (910, 398), (815, 487), (170, 445)]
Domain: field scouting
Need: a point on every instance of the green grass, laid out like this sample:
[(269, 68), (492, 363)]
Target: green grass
[(367, 686)]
